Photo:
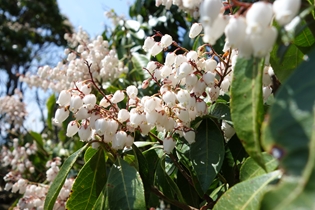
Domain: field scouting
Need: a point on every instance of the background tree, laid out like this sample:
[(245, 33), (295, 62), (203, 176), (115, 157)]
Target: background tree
[(27, 28)]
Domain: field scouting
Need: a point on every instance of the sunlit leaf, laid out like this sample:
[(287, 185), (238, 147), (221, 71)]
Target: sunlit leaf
[(247, 109)]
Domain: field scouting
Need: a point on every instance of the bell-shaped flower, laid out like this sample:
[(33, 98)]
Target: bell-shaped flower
[(195, 30), (286, 10), (258, 17)]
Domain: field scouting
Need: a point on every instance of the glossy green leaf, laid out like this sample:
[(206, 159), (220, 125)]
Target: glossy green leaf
[(124, 187), (251, 169), (207, 153), (90, 152), (57, 184), (292, 140), (50, 105), (220, 111), (246, 195), (247, 109), (89, 184)]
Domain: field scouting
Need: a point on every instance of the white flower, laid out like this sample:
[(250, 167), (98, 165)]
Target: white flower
[(258, 17), (189, 136), (214, 31), (85, 133), (75, 103), (61, 115), (148, 44), (262, 44), (64, 98), (123, 115), (156, 49), (235, 31), (209, 11), (72, 128), (168, 145), (132, 91), (166, 40), (118, 97), (170, 58), (195, 30), (286, 10)]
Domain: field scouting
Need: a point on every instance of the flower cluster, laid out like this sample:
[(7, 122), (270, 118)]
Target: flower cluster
[(12, 110), (251, 34), (34, 194), (105, 65)]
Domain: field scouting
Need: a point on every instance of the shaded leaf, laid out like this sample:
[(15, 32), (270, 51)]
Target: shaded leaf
[(293, 140), (247, 109), (124, 187), (207, 153), (247, 194), (89, 184), (58, 182), (220, 111), (164, 182)]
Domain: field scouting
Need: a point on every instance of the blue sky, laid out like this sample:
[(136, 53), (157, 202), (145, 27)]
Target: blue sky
[(90, 14)]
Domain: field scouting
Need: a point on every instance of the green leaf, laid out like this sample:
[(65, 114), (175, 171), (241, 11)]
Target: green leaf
[(37, 137), (50, 105), (289, 135), (124, 187), (247, 109), (207, 153), (220, 111), (90, 152), (89, 183), (284, 58), (101, 201), (247, 194), (57, 184), (139, 61), (287, 131), (167, 185), (251, 169)]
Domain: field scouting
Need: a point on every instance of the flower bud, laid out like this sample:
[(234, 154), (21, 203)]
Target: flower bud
[(64, 98), (75, 103), (156, 49), (235, 31), (169, 144), (83, 113), (129, 141), (120, 140), (166, 40), (85, 133), (72, 128), (210, 65), (255, 23), (132, 91), (286, 10), (184, 70), (195, 30), (118, 97), (90, 100), (189, 136), (170, 59), (61, 115), (166, 71), (209, 11), (123, 115), (208, 78), (148, 44)]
